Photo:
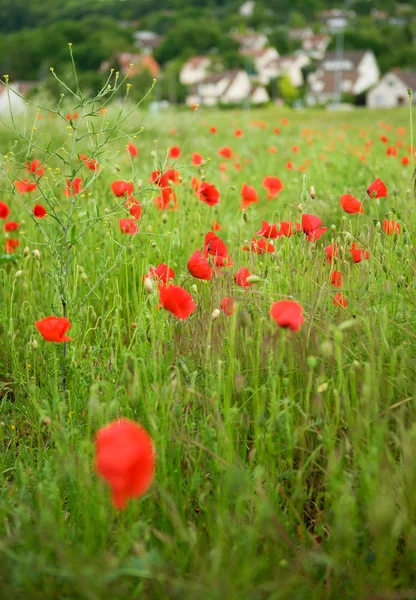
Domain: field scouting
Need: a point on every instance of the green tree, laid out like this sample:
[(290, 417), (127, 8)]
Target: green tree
[(287, 91)]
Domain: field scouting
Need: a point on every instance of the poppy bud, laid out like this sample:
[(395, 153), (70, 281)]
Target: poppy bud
[(18, 274), (148, 285), (253, 279), (312, 192), (311, 361), (36, 254), (300, 208), (35, 345), (245, 217), (215, 314), (26, 251), (194, 288), (149, 229), (164, 217), (84, 276)]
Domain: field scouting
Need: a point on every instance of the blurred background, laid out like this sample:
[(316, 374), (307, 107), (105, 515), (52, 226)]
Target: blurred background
[(216, 52)]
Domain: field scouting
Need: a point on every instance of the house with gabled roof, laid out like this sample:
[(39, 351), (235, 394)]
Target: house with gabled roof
[(351, 73), (229, 87), (195, 70), (392, 89)]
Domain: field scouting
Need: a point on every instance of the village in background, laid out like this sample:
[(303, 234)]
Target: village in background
[(299, 64)]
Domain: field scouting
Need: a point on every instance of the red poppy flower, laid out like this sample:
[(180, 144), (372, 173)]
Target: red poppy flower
[(273, 185), (268, 230), (128, 226), (289, 165), (310, 223), (295, 149), (209, 194), (248, 196), (350, 204), (358, 254), (197, 159), (168, 196), (287, 313), (122, 188), (176, 300), (240, 277), (384, 139), (53, 329), (35, 168), (125, 458), (174, 152), (237, 166), (238, 133), (11, 226), (259, 246), (391, 227), (331, 252), (405, 160), (91, 163), (162, 273), (226, 152), (284, 121), (287, 228), (213, 129), (273, 150), (39, 211), (199, 267), (391, 151), (227, 305), (24, 186), (336, 279), (132, 150), (214, 246), (134, 207), (314, 235), (11, 245), (73, 187), (340, 300), (377, 189), (276, 130), (4, 210)]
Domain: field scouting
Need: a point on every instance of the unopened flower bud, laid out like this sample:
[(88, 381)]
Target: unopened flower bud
[(312, 193), (194, 288), (26, 251), (164, 217), (18, 274), (215, 314), (300, 208), (148, 285), (36, 254), (253, 279), (35, 345), (245, 217)]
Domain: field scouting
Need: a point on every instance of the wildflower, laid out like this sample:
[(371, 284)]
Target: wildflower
[(310, 223), (268, 230), (259, 246), (405, 160), (273, 185), (238, 133), (314, 235), (132, 150), (11, 226), (286, 228), (391, 227), (377, 189), (289, 165), (39, 211), (128, 226), (209, 194), (125, 458), (336, 279), (35, 168), (122, 188), (331, 252), (340, 300), (197, 159), (24, 186), (73, 187), (240, 278), (4, 210), (216, 226), (248, 196), (11, 245), (213, 129), (351, 205), (163, 273), (53, 329), (358, 254), (91, 163), (227, 305), (226, 152), (287, 313), (199, 267), (176, 300), (134, 207), (174, 152)]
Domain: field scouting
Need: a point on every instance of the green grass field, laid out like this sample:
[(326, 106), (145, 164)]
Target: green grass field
[(285, 460)]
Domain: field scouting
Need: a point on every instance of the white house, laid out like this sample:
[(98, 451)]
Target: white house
[(250, 41), (12, 102), (194, 70), (300, 34), (230, 87), (262, 58), (147, 41), (353, 73), (315, 45), (336, 18), (391, 90), (287, 65), (247, 8)]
